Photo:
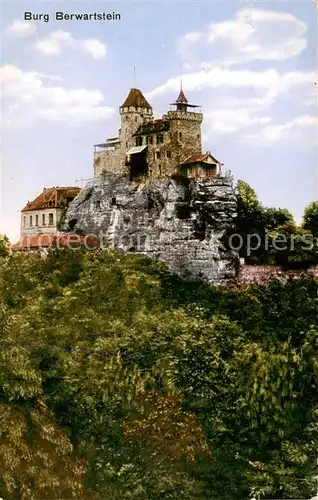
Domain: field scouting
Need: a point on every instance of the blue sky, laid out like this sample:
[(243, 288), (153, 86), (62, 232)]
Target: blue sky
[(251, 65)]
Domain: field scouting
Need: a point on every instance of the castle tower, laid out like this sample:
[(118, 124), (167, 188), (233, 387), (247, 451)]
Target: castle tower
[(185, 129), (114, 154), (134, 111)]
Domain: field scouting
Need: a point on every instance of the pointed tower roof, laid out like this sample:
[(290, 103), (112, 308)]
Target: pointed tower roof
[(135, 98), (182, 102), (182, 98)]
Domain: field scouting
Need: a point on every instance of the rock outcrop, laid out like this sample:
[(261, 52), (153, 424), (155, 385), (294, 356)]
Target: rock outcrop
[(184, 223)]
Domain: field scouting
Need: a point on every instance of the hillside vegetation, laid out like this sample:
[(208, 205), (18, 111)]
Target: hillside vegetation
[(121, 381)]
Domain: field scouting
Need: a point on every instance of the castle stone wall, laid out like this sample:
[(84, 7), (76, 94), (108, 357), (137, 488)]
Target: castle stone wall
[(112, 160), (184, 224), (189, 125), (261, 275)]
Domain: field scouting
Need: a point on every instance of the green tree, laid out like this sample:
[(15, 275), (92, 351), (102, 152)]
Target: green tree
[(270, 236), (275, 217), (250, 217), (4, 245), (154, 387), (310, 218), (36, 458), (291, 245)]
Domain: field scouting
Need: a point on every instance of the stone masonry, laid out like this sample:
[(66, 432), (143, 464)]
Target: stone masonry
[(149, 148), (181, 222)]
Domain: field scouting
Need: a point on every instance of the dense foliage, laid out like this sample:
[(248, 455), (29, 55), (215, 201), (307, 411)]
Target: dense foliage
[(119, 380), (270, 235), (4, 245), (310, 219)]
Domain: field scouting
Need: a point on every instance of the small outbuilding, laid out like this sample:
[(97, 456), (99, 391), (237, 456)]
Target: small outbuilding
[(200, 166)]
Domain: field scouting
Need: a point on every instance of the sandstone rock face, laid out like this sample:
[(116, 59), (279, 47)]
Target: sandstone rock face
[(185, 224)]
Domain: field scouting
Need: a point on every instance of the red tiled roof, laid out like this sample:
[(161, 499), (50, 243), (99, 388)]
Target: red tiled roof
[(153, 126), (54, 240), (198, 157), (135, 98), (51, 198), (182, 98)]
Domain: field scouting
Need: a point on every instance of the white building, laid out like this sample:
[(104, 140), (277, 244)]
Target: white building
[(43, 214)]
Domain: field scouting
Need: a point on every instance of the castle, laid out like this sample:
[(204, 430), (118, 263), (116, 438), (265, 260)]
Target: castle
[(155, 193), (156, 149)]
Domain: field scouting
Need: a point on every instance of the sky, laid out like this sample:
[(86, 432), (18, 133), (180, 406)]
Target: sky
[(251, 65)]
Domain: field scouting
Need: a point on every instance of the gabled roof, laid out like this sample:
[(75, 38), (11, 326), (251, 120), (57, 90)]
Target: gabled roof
[(136, 98), (52, 198), (198, 158)]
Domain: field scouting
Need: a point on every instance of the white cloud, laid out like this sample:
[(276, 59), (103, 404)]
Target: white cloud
[(302, 128), (29, 97), (242, 99), (229, 113), (254, 34), (49, 77), (228, 121), (94, 47), (57, 41), (21, 28), (269, 81), (188, 40), (53, 43)]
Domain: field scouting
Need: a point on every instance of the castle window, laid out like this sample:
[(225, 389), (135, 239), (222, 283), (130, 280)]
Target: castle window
[(43, 219), (138, 141), (126, 145), (97, 203), (31, 222), (136, 118), (180, 136), (24, 221), (160, 139), (36, 220), (154, 156), (168, 154), (51, 220), (158, 155), (160, 170), (113, 201)]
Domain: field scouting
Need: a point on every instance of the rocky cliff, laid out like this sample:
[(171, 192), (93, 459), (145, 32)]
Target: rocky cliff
[(183, 223)]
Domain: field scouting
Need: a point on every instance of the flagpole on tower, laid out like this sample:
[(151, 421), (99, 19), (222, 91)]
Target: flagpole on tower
[(181, 75)]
